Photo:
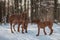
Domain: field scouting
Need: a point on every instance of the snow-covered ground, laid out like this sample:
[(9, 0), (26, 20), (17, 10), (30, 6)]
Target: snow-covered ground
[(5, 33)]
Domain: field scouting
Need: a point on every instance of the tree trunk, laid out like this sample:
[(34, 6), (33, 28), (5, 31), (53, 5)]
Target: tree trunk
[(55, 9)]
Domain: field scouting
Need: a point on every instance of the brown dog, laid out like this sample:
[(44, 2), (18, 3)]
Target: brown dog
[(43, 25), (19, 19)]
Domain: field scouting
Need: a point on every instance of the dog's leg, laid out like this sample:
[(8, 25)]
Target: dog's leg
[(14, 27), (26, 28), (11, 27), (18, 27), (22, 28), (38, 31), (51, 30), (44, 31)]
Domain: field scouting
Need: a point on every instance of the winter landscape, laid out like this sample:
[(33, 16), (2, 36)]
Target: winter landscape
[(27, 11), (5, 33)]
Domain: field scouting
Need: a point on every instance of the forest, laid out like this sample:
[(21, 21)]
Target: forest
[(29, 19), (36, 8)]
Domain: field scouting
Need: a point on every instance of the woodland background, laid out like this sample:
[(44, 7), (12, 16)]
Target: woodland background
[(36, 8)]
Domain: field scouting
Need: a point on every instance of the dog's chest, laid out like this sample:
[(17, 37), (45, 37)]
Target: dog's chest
[(42, 24)]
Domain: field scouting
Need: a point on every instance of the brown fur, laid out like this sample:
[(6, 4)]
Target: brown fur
[(18, 19), (43, 25)]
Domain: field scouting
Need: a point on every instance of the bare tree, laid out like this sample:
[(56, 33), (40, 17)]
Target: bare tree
[(55, 8)]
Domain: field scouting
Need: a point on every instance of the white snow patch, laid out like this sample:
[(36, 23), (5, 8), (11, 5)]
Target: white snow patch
[(5, 33)]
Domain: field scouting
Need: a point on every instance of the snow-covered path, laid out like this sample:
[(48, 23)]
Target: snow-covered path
[(5, 33)]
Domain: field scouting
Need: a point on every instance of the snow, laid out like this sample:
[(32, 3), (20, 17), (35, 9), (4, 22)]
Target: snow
[(5, 33)]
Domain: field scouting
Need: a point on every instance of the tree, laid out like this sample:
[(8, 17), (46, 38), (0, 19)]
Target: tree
[(0, 11), (55, 9)]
